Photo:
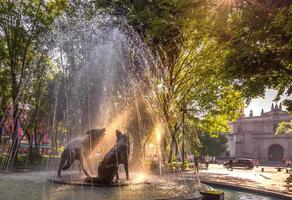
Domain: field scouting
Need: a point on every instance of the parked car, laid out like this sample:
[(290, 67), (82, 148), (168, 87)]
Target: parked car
[(241, 162)]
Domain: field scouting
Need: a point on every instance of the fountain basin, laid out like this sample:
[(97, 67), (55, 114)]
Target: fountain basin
[(79, 181), (35, 186)]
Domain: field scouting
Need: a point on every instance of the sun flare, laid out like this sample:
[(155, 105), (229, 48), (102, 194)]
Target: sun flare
[(140, 177), (158, 133)]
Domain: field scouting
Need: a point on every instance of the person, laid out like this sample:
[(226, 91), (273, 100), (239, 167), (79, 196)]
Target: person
[(283, 163), (196, 162), (207, 161), (288, 163), (231, 164), (257, 162)]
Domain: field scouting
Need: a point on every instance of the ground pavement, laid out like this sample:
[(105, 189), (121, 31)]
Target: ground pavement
[(270, 179)]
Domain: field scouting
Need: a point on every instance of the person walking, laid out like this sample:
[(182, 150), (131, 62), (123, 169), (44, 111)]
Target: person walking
[(196, 162), (231, 164), (207, 161)]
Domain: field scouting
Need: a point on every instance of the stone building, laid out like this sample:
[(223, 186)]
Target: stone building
[(254, 136)]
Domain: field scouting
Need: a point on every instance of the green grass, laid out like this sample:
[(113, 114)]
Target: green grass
[(23, 160), (216, 192)]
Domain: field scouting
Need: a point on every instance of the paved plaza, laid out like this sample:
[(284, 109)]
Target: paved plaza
[(270, 179)]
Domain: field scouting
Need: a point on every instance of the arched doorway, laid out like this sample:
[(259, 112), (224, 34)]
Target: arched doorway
[(276, 152)]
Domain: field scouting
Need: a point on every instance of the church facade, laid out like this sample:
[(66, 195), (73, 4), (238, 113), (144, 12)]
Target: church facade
[(254, 136)]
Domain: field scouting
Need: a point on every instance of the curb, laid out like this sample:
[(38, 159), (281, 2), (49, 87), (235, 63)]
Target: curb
[(249, 189)]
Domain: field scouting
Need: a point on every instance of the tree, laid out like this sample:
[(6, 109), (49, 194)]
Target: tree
[(213, 145), (188, 75), (258, 38), (140, 127), (23, 25), (190, 79), (284, 128), (196, 84)]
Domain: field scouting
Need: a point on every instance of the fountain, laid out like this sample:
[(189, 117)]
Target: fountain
[(158, 152), (103, 81)]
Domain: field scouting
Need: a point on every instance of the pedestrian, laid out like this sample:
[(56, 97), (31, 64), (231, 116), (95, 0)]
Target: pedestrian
[(196, 162), (283, 163), (207, 161), (231, 164), (256, 162), (287, 163)]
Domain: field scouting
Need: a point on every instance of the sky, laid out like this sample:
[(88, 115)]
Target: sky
[(257, 104)]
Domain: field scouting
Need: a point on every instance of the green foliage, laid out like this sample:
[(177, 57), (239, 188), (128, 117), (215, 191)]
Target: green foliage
[(288, 104), (284, 128), (24, 60), (213, 145), (214, 192), (259, 47), (208, 61), (22, 49), (160, 22), (179, 32), (189, 76)]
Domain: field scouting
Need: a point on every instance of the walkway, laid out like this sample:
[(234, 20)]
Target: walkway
[(270, 179)]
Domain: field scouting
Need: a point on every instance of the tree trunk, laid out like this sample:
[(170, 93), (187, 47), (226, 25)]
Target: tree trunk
[(144, 147), (36, 147), (12, 153), (137, 150), (30, 150), (173, 143), (170, 151), (176, 147)]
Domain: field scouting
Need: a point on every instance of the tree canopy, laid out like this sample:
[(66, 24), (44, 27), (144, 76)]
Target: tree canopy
[(284, 128), (213, 146), (259, 42), (24, 60), (207, 57)]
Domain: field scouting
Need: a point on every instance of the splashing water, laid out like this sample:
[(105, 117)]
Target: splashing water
[(105, 69), (105, 64)]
